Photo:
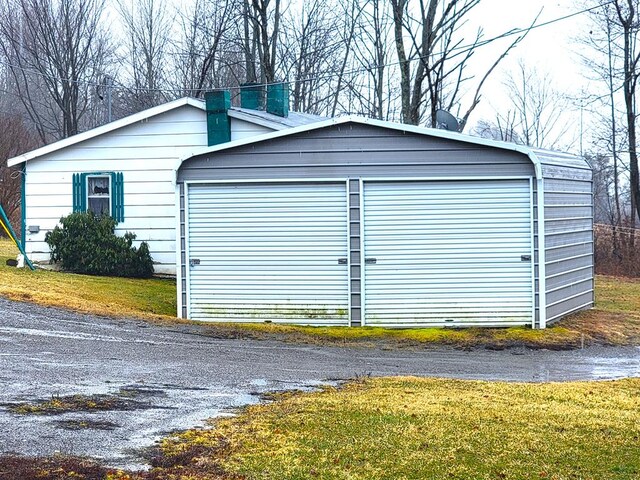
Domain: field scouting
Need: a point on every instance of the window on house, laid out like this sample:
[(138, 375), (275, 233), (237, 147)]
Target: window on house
[(101, 193)]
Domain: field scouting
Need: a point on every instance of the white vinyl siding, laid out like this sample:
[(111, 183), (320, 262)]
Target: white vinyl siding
[(147, 154), (268, 252), (447, 253)]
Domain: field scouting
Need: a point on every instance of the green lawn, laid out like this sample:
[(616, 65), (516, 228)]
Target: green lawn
[(401, 428), (425, 428), (394, 428), (154, 298)]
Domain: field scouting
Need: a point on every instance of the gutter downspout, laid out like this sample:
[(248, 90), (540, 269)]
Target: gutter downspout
[(542, 254)]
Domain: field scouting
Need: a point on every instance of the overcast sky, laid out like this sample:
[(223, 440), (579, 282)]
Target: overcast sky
[(551, 49)]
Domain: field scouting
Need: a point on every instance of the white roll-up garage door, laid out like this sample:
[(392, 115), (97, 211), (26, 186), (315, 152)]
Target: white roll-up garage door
[(447, 253), (268, 252)]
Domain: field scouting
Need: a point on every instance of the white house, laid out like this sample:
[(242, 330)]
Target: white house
[(127, 168)]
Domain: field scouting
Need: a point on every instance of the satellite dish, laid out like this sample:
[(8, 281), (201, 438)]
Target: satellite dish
[(446, 121)]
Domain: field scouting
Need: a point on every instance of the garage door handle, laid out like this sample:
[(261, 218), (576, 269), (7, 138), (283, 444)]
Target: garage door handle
[(525, 258), (342, 261), (370, 260)]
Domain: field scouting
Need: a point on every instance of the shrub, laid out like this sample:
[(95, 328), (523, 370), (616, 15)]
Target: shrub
[(86, 243)]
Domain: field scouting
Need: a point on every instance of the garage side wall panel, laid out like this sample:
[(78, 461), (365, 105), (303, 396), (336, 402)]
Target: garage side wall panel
[(569, 246)]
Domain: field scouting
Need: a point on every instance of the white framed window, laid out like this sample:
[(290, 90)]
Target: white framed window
[(99, 194)]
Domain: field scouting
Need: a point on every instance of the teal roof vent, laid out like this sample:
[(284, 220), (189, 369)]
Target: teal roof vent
[(218, 123), (278, 99), (252, 96)]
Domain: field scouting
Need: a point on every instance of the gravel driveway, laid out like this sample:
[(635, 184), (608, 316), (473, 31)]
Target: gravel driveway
[(186, 377)]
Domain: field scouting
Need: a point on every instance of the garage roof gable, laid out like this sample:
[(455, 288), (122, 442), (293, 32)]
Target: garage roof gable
[(538, 157)]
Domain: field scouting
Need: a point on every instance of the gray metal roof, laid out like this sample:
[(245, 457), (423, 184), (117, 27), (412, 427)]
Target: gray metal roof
[(294, 119)]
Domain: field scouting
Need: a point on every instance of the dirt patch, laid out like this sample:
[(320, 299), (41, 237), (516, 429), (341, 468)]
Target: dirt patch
[(57, 467), (86, 424)]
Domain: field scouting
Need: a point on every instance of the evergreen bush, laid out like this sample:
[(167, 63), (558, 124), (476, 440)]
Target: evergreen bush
[(86, 243)]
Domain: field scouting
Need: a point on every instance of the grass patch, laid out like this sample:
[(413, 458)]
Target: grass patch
[(110, 296), (424, 428), (614, 321)]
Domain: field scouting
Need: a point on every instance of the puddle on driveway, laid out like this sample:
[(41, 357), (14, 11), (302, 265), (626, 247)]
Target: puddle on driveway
[(616, 367)]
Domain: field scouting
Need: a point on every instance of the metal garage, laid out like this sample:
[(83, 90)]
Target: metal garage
[(360, 222)]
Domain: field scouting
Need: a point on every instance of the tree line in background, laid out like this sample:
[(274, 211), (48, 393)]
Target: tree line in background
[(612, 53), (70, 65)]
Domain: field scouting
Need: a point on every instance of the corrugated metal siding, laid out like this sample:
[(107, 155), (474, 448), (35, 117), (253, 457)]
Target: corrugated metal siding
[(268, 252), (568, 217), (447, 253), (355, 245), (355, 151), (352, 151)]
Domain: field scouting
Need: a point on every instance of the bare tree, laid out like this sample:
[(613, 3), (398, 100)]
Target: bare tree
[(310, 49), (371, 88), (432, 59), (616, 33), (203, 55), (628, 19), (503, 129), (261, 35), (539, 112), (56, 51), (15, 139), (147, 28)]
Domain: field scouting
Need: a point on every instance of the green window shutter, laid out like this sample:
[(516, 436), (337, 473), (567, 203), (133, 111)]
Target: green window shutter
[(83, 192), (76, 192), (117, 196), (79, 192)]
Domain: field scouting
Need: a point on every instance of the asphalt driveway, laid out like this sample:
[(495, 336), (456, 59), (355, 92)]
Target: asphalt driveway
[(186, 376)]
